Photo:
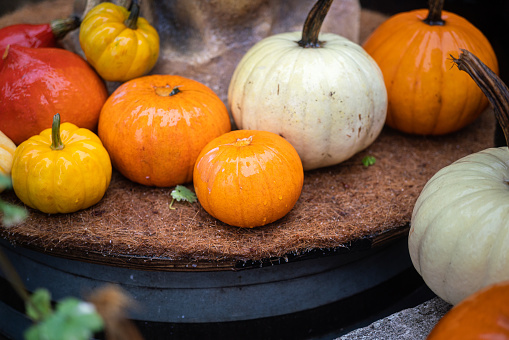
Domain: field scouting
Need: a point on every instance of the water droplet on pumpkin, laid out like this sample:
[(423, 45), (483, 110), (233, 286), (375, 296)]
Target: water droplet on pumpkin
[(280, 197)]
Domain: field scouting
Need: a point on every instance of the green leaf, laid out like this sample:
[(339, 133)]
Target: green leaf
[(5, 182), (181, 193), (368, 161), (72, 319), (12, 214), (39, 306)]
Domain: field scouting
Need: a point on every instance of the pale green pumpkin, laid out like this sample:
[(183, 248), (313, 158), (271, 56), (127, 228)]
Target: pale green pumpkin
[(327, 97), (459, 235)]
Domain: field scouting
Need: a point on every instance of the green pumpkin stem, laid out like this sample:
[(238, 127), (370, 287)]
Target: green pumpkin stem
[(313, 24), (60, 27), (174, 91), (132, 21), (492, 86), (56, 141), (435, 13)]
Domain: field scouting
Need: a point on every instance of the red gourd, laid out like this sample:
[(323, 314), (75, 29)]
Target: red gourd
[(36, 35)]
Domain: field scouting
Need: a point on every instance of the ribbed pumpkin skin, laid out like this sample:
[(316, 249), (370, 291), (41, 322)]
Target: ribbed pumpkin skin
[(61, 181), (248, 178), (459, 235), (155, 139), (117, 52), (328, 102), (427, 95), (483, 315)]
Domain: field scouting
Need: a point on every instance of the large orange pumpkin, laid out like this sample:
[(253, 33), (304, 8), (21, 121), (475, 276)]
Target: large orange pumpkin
[(483, 315), (248, 178), (427, 96), (155, 126), (37, 83)]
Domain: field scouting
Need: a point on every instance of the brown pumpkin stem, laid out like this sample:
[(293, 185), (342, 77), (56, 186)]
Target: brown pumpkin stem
[(60, 27), (313, 24), (492, 86), (435, 13), (56, 141), (166, 91), (132, 21)]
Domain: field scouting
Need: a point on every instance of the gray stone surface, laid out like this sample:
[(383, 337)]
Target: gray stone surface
[(408, 324)]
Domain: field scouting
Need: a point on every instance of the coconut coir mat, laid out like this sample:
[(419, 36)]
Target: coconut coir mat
[(134, 226)]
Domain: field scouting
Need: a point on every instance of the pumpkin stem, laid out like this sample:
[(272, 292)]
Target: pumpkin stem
[(164, 91), (492, 86), (174, 91), (435, 13), (56, 141), (313, 24), (60, 27), (243, 141), (132, 21)]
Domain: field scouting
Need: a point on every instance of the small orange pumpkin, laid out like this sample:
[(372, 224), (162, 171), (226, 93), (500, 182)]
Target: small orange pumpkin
[(155, 126), (482, 315), (427, 96), (248, 178)]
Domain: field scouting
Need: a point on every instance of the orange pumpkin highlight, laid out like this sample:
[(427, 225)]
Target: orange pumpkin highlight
[(155, 126), (427, 96), (483, 315), (248, 178)]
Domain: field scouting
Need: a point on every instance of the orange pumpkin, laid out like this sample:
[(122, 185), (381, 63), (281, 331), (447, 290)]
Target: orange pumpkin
[(155, 126), (248, 178), (37, 83), (483, 315), (427, 96)]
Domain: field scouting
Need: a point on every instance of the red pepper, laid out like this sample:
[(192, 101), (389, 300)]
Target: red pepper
[(42, 35)]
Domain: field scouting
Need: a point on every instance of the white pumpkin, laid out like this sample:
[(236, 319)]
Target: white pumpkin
[(7, 148), (459, 234), (329, 101)]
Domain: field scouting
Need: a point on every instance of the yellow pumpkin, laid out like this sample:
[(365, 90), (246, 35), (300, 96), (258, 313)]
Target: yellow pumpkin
[(7, 149), (119, 44), (62, 170)]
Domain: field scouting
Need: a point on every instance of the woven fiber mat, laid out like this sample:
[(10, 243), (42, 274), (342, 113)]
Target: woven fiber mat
[(338, 205)]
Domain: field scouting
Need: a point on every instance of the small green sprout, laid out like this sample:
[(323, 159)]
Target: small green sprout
[(368, 161), (181, 193)]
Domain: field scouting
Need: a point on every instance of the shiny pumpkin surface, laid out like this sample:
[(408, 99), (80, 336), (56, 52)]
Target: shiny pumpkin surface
[(7, 149), (155, 126), (428, 96), (483, 315), (61, 181), (36, 83), (116, 51), (248, 178)]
